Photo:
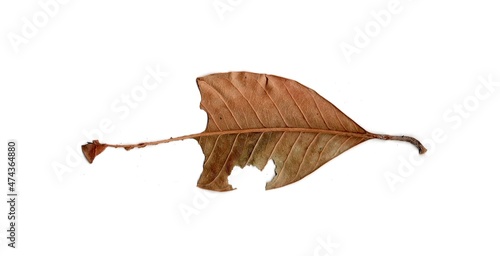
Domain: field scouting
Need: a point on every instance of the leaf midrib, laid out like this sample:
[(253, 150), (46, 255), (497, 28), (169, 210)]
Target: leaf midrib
[(365, 135)]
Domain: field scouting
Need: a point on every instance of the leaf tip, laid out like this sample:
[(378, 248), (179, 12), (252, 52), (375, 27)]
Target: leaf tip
[(92, 149)]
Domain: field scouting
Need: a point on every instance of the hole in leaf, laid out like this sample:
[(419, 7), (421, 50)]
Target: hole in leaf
[(250, 178)]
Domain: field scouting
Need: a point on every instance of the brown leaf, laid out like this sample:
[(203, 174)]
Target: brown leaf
[(253, 118), (296, 128)]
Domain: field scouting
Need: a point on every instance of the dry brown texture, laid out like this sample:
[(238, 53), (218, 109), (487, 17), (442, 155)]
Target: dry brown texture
[(91, 150), (242, 100), (253, 118)]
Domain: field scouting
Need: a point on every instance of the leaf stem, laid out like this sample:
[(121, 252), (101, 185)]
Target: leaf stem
[(415, 142)]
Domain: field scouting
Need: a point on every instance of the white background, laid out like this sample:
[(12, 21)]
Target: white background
[(62, 81)]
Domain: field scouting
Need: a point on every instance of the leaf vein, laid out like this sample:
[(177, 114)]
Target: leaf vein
[(324, 149), (319, 109), (287, 156), (228, 108), (296, 104), (274, 103), (254, 147), (210, 117), (305, 154), (225, 162), (249, 103)]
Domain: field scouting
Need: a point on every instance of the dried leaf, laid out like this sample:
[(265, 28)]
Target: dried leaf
[(253, 118), (91, 150)]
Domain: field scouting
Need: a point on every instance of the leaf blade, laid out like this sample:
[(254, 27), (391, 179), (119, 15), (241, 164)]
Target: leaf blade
[(247, 101)]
